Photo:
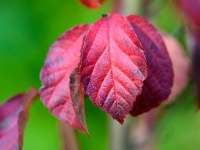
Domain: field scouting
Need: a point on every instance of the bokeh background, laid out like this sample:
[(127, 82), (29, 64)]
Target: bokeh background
[(27, 30)]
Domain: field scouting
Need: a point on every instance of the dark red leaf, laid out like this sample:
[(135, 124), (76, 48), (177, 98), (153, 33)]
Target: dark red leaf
[(62, 59), (157, 86), (196, 66), (113, 66), (77, 96), (13, 118), (93, 4)]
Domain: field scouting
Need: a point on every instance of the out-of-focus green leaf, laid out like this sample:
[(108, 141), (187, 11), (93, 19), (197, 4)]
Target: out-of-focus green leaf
[(179, 127)]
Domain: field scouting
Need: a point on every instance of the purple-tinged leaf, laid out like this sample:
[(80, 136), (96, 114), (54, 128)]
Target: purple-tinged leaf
[(196, 66), (157, 86), (9, 112), (14, 114)]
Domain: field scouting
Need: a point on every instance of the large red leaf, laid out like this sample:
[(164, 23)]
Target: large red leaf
[(157, 86), (61, 60), (113, 65), (93, 4), (13, 118)]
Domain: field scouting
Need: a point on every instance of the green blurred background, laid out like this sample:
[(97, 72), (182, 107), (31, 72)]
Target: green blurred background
[(28, 28)]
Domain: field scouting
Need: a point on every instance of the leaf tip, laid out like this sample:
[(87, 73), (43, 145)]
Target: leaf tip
[(85, 130)]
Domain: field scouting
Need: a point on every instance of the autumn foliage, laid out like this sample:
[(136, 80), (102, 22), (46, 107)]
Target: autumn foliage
[(121, 62), (116, 55), (14, 116)]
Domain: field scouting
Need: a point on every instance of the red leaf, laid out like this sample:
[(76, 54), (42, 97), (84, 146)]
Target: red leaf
[(93, 4), (77, 96), (113, 66), (157, 86), (13, 118), (9, 112), (61, 60)]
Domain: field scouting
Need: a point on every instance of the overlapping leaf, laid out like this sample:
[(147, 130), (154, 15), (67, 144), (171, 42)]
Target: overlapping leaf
[(13, 118), (61, 60), (113, 65), (93, 4), (157, 86), (77, 96)]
